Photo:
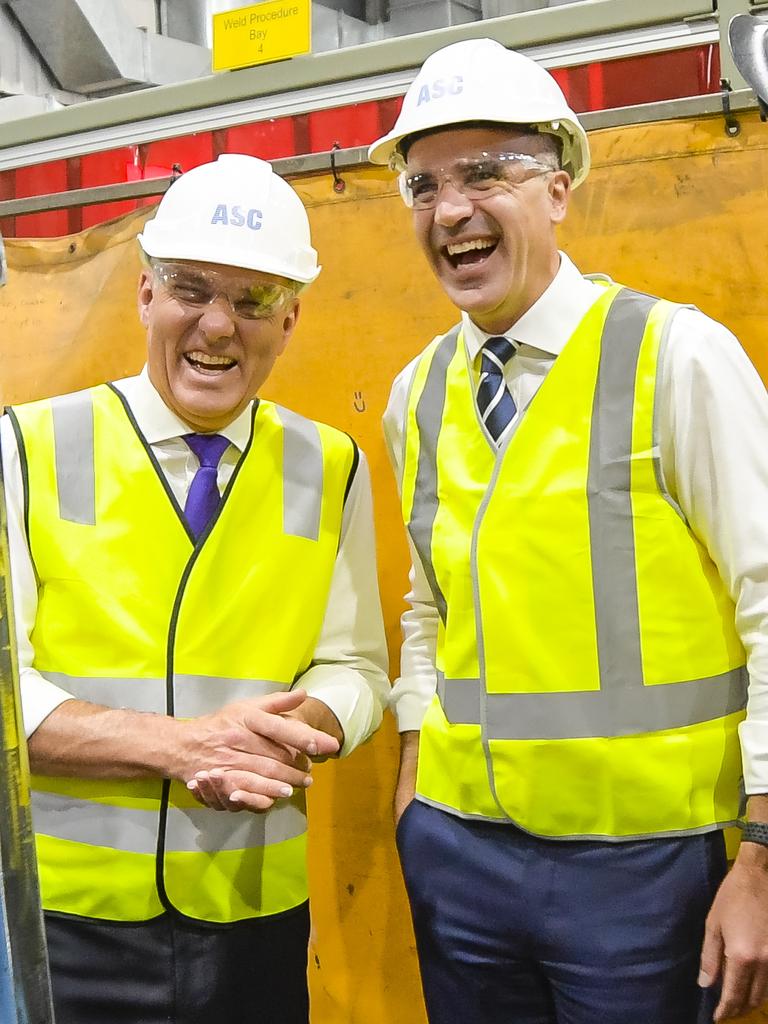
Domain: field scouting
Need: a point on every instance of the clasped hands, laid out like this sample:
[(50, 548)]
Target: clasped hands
[(252, 752)]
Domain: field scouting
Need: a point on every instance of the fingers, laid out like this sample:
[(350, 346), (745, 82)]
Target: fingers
[(206, 793), (737, 984), (759, 990), (234, 790), (291, 769), (240, 746), (253, 736), (302, 763), (712, 952), (263, 720), (282, 701)]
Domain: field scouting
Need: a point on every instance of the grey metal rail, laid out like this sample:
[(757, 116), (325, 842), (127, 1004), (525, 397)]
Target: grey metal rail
[(25, 990), (344, 159)]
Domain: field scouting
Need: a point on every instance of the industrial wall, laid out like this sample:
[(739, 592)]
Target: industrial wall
[(675, 208)]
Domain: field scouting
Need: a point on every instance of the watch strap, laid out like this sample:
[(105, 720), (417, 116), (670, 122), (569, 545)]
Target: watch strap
[(755, 832)]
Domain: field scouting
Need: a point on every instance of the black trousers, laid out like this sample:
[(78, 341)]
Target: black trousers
[(172, 971)]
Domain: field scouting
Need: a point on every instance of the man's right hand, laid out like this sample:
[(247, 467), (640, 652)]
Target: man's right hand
[(249, 754)]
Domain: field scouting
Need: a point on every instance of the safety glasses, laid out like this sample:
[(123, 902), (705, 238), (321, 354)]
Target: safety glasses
[(476, 177), (193, 286)]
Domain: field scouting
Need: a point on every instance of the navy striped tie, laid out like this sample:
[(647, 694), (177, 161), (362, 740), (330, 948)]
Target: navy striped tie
[(496, 405)]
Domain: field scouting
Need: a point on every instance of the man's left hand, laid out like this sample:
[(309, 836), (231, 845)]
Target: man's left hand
[(736, 937), (229, 790)]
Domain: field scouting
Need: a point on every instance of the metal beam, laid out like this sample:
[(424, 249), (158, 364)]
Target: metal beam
[(535, 28), (84, 197), (357, 156), (675, 35), (668, 110)]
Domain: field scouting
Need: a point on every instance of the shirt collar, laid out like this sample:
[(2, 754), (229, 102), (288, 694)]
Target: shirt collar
[(551, 320), (158, 423)]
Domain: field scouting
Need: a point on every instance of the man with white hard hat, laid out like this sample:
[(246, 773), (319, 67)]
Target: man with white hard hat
[(583, 478), (197, 617)]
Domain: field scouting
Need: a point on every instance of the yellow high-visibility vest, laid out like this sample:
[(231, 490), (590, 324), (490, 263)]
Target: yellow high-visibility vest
[(590, 677), (134, 613)]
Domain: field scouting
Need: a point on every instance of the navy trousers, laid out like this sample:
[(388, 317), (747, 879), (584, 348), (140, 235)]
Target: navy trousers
[(513, 929), (172, 971)]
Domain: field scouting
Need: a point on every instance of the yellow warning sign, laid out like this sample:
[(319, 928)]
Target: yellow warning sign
[(260, 33)]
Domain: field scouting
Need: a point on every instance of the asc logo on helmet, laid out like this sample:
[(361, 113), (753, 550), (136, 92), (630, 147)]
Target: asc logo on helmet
[(237, 217), (439, 88)]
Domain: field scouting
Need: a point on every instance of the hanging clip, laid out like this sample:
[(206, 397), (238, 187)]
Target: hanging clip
[(732, 126), (338, 182), (176, 171)]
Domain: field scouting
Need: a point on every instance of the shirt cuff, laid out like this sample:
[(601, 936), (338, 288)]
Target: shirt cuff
[(409, 709), (754, 756), (39, 698), (348, 695)]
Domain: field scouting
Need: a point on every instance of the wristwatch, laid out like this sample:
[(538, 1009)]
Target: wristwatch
[(754, 832)]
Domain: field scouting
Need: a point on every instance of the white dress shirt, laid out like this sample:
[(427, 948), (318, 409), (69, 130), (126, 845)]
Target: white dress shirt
[(713, 439), (349, 668)]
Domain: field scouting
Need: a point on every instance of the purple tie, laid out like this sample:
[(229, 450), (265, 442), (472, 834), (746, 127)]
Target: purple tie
[(203, 498)]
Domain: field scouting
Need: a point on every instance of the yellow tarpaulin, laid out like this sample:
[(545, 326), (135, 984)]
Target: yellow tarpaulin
[(677, 209)]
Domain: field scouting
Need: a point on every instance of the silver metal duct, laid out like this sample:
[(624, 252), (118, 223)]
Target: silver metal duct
[(189, 20), (409, 16), (20, 69), (14, 107), (92, 46)]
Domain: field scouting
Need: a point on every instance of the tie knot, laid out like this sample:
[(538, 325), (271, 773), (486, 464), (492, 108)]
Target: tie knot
[(497, 352), (207, 447)]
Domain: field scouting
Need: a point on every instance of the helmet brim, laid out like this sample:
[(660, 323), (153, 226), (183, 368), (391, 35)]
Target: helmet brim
[(386, 150)]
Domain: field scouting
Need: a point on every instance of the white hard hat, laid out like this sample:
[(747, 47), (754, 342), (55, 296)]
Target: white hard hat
[(480, 80), (238, 212)]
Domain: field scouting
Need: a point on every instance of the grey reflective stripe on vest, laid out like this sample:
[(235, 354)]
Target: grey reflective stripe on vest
[(580, 715), (611, 526), (429, 418), (624, 705), (73, 439), (75, 475), (201, 695), (193, 695), (189, 830), (303, 475)]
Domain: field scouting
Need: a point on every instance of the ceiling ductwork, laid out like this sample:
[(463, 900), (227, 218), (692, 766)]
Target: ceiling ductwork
[(93, 47), (188, 19)]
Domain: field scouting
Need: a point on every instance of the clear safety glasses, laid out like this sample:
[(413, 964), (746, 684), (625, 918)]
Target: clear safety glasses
[(250, 299), (476, 177)]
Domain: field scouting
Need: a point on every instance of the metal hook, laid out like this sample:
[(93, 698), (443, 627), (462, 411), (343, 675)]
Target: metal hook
[(732, 126), (176, 171), (338, 183)]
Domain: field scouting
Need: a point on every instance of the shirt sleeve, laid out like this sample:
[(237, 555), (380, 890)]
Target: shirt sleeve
[(39, 697), (713, 436), (413, 691), (349, 669)]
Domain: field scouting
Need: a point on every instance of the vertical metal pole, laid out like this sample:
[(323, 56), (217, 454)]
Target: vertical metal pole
[(25, 988)]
